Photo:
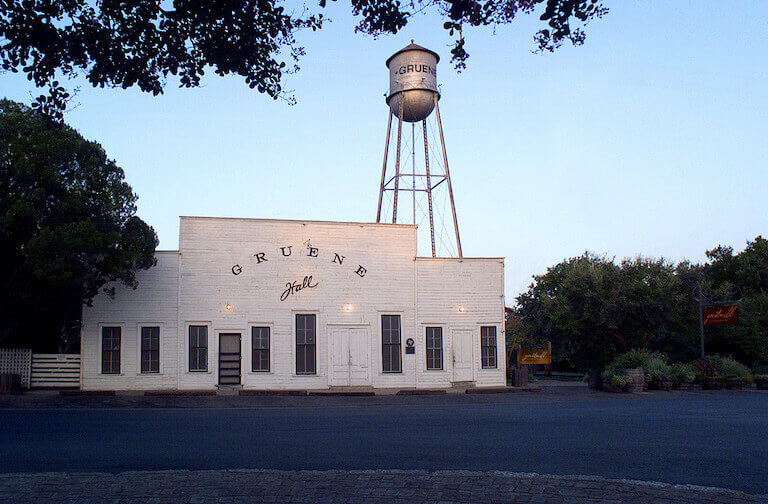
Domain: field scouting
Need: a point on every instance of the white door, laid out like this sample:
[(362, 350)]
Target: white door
[(339, 357), (349, 356), (462, 354), (358, 353)]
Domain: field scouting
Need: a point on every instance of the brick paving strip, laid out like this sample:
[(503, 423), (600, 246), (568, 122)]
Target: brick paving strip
[(348, 487)]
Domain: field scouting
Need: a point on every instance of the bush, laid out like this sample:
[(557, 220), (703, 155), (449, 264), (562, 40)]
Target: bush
[(621, 381), (616, 376), (635, 358), (656, 371), (732, 369), (707, 367), (682, 373), (654, 365)]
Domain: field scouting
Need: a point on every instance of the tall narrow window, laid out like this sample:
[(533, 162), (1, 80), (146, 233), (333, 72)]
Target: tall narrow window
[(390, 343), (198, 348), (110, 350), (488, 346), (260, 344), (305, 344), (434, 348), (150, 349)]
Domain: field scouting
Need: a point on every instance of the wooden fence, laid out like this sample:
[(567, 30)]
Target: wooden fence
[(16, 361), (55, 370)]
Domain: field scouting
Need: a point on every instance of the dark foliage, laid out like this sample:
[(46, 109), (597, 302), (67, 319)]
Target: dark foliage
[(126, 43), (593, 309), (67, 227)]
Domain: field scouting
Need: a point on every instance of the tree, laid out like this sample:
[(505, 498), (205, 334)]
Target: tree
[(743, 275), (571, 306), (126, 43), (67, 227), (592, 309)]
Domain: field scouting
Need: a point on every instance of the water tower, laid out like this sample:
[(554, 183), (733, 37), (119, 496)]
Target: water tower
[(412, 96)]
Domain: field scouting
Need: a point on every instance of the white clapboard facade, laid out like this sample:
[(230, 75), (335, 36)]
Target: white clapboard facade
[(283, 305)]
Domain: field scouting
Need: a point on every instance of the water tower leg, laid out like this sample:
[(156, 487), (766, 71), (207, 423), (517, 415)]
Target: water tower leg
[(397, 166), (448, 176), (413, 170), (429, 188), (384, 166)]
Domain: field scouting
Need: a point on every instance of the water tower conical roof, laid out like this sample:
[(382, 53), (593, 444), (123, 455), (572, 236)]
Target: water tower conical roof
[(413, 47)]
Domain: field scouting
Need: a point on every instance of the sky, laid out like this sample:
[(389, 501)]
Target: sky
[(650, 139)]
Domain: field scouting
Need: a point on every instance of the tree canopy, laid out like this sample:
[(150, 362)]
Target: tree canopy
[(126, 43), (67, 227), (593, 309)]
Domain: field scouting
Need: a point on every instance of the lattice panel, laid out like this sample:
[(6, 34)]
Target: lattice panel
[(17, 361)]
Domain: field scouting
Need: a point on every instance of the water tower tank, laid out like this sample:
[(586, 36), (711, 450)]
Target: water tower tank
[(412, 82)]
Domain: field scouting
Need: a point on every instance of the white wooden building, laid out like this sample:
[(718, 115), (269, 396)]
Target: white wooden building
[(283, 305)]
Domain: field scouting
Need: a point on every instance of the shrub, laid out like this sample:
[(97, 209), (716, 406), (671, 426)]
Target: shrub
[(616, 376), (656, 370), (620, 381), (707, 367), (635, 358), (654, 365), (682, 373), (733, 369)]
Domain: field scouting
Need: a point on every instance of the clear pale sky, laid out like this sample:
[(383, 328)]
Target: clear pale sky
[(650, 139)]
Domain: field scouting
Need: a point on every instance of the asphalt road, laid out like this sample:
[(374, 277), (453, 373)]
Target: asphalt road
[(706, 438)]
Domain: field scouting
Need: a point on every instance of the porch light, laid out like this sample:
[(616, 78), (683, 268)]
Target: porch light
[(228, 307), (348, 307), (462, 309)]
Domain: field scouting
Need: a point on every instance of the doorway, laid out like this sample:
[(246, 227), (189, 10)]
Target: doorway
[(229, 359), (349, 356), (462, 355)]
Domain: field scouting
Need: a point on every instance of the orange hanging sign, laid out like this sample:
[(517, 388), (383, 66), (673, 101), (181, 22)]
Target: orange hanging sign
[(721, 315), (534, 356)]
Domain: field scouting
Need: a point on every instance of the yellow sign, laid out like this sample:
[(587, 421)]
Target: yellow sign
[(534, 356)]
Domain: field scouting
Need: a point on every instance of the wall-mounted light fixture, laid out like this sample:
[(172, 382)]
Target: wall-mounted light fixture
[(228, 307), (462, 309), (348, 307)]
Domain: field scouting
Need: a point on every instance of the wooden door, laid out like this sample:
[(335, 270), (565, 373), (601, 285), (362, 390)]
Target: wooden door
[(462, 355), (229, 359)]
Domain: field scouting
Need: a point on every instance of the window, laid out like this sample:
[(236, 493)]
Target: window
[(305, 344), (434, 348), (198, 348), (390, 343), (110, 350), (150, 349), (488, 346), (260, 345)]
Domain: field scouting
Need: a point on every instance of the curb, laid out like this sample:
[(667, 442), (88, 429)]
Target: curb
[(501, 390), (251, 392)]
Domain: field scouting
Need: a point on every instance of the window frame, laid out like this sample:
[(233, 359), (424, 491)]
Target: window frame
[(204, 353), (440, 348), (103, 348), (304, 345), (142, 350), (389, 345), (268, 349), (485, 359)]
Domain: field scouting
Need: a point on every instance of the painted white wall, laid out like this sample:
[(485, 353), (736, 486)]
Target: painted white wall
[(152, 303), (461, 294), (195, 285)]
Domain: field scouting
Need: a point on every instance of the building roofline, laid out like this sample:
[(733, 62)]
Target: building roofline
[(300, 221), (424, 258)]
